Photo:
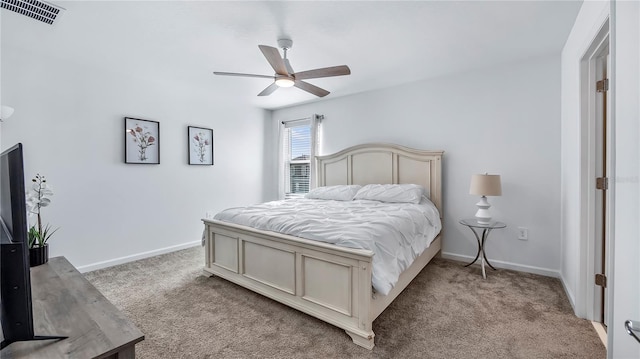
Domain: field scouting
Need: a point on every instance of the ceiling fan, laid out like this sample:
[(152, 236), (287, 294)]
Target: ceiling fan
[(286, 77)]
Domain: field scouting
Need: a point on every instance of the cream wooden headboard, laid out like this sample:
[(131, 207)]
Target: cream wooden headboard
[(382, 163)]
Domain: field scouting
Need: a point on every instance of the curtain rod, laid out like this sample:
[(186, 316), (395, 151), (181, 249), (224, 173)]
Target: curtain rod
[(318, 117)]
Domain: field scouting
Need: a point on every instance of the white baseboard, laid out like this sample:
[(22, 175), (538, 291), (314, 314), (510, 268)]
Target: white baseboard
[(569, 294), (135, 257), (506, 265)]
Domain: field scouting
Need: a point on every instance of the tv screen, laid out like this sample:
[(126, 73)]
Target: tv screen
[(15, 285), (13, 205), (15, 274)]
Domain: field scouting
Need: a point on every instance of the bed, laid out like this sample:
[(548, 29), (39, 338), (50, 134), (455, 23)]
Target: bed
[(294, 270)]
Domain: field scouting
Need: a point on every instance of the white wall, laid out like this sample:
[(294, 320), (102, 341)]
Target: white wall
[(502, 120), (592, 16), (70, 119)]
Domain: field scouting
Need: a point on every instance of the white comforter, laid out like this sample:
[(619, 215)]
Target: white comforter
[(396, 232)]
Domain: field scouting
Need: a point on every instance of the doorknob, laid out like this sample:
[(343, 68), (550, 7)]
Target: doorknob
[(633, 326)]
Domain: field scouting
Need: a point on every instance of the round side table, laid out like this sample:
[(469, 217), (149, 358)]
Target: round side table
[(473, 225)]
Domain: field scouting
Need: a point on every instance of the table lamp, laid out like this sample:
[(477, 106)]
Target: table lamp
[(485, 185)]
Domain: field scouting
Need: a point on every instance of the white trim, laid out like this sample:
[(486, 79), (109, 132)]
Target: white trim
[(506, 265), (570, 295), (135, 257), (585, 303)]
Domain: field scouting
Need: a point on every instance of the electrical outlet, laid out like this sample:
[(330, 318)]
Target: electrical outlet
[(523, 233)]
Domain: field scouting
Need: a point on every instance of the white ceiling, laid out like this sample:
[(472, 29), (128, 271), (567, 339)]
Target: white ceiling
[(385, 43)]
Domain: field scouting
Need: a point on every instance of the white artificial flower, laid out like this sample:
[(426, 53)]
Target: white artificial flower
[(38, 197)]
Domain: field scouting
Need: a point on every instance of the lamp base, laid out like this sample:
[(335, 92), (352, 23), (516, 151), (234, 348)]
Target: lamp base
[(483, 216)]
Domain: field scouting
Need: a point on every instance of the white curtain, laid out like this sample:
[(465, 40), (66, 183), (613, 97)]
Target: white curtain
[(315, 143)]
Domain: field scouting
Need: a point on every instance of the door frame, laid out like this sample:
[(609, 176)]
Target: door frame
[(587, 305)]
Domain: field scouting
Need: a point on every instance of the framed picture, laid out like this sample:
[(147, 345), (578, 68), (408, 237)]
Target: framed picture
[(141, 141), (200, 142)]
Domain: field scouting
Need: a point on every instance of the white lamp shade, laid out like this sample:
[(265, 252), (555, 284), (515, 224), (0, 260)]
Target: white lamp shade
[(485, 185), (6, 112)]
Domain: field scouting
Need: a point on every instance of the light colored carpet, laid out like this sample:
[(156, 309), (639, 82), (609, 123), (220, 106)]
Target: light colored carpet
[(448, 311)]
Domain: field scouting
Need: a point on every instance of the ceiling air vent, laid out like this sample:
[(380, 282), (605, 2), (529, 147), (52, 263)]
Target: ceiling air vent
[(39, 10)]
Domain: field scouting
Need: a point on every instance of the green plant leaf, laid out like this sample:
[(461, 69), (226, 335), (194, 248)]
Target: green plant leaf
[(39, 239), (33, 235)]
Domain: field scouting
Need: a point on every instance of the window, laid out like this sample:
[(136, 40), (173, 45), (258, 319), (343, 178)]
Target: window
[(299, 141)]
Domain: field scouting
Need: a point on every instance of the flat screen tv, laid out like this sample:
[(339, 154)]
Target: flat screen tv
[(15, 275)]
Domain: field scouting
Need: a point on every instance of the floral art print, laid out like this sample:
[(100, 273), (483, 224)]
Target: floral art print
[(200, 146), (142, 141)]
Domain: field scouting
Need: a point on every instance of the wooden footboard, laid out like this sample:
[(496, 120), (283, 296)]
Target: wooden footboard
[(328, 282)]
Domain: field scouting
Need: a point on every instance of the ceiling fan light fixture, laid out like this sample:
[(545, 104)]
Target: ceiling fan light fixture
[(284, 81), (284, 75)]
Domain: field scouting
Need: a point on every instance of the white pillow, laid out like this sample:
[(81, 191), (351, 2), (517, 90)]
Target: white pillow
[(394, 193), (336, 193)]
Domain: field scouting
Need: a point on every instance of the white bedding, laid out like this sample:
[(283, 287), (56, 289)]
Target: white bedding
[(396, 232)]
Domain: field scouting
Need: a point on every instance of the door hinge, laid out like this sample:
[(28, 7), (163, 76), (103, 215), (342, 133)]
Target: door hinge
[(602, 85), (602, 183), (601, 280)]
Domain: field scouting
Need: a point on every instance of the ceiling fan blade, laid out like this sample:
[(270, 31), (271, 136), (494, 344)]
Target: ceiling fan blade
[(324, 72), (273, 56), (311, 88), (288, 65), (243, 75), (269, 90)]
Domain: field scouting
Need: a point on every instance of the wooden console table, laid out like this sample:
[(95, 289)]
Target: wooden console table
[(66, 304)]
